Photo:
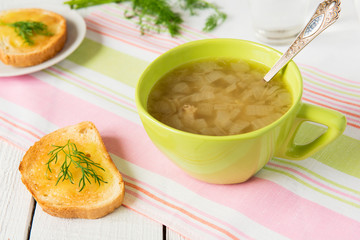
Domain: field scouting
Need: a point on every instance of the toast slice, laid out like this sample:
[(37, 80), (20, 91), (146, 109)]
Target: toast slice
[(16, 52), (66, 199)]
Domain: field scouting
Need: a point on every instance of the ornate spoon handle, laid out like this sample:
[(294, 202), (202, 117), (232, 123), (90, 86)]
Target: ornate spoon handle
[(326, 14)]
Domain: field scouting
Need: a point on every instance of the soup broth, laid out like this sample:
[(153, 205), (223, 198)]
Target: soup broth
[(218, 97)]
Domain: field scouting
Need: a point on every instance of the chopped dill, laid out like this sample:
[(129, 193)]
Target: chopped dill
[(27, 29)]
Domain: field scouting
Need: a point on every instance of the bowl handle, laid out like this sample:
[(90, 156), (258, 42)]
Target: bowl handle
[(335, 121)]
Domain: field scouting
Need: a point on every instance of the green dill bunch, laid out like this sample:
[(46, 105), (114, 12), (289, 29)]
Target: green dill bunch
[(161, 12), (159, 15)]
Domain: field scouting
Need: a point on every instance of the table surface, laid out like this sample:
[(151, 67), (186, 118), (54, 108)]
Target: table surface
[(18, 208)]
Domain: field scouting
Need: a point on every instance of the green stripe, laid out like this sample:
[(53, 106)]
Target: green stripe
[(343, 154), (87, 90), (329, 78), (110, 62), (311, 186), (95, 83), (287, 163), (199, 35)]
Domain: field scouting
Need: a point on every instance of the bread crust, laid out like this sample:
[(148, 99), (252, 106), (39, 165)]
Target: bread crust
[(108, 196), (44, 51)]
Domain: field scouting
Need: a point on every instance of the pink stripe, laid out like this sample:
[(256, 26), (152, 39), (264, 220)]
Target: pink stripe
[(174, 213), (126, 24), (116, 22), (91, 87), (12, 143), (12, 126), (122, 40), (151, 216), (29, 126), (207, 35), (309, 91), (186, 206), (105, 26), (330, 75), (331, 102), (261, 200), (133, 31), (349, 118), (314, 181), (330, 106), (271, 204), (329, 83), (122, 35), (330, 93), (183, 33), (19, 132), (352, 120)]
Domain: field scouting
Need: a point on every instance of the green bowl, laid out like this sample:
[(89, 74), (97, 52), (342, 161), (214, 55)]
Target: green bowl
[(234, 158)]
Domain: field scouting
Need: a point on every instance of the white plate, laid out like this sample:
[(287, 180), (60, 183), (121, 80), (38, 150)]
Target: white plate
[(76, 29)]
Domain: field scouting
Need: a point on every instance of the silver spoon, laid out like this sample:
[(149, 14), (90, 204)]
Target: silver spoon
[(326, 14)]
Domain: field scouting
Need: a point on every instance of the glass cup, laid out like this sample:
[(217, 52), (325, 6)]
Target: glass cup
[(234, 158), (278, 21)]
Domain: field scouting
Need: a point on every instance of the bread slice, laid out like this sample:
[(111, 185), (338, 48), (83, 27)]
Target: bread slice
[(65, 199), (13, 50)]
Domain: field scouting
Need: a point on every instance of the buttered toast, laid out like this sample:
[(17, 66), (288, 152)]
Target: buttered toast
[(40, 46), (70, 197)]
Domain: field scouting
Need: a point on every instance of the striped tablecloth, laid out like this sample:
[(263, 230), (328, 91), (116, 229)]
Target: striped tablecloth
[(317, 198)]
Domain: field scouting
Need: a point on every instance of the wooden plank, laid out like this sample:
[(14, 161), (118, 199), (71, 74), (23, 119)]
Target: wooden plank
[(16, 203), (121, 224), (172, 235)]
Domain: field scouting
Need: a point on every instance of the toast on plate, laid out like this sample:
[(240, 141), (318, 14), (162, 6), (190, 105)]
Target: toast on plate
[(69, 197), (47, 36)]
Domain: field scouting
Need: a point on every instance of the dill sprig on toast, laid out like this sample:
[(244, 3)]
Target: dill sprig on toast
[(78, 159)]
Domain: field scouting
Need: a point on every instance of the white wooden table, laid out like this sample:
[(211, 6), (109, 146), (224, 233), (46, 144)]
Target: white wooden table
[(21, 218)]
